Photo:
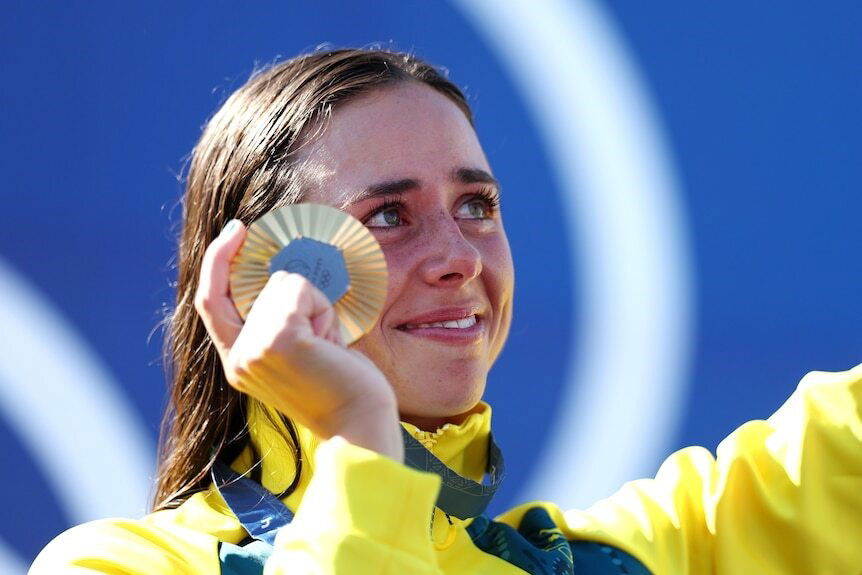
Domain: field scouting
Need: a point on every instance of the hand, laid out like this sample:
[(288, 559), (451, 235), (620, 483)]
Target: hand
[(289, 354)]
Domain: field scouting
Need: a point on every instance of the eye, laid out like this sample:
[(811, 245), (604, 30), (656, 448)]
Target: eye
[(474, 210), (386, 216), (481, 206)]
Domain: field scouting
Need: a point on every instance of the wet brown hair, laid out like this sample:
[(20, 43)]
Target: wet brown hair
[(245, 165)]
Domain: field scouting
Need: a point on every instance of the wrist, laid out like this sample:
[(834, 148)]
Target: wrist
[(374, 427)]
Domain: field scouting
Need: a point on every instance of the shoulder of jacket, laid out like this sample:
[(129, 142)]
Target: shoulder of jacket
[(161, 542)]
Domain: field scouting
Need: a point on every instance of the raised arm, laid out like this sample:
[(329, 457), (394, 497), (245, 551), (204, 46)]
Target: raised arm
[(783, 496)]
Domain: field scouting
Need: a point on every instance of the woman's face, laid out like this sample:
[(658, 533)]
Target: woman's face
[(405, 161)]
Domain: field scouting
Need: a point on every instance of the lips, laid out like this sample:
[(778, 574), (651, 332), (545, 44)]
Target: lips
[(451, 324), (459, 327), (450, 318)]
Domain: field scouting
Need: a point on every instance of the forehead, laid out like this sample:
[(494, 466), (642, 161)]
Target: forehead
[(404, 131)]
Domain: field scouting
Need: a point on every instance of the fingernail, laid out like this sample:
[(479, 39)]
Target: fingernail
[(231, 226)]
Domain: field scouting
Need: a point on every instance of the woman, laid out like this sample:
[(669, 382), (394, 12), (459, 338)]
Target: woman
[(286, 405)]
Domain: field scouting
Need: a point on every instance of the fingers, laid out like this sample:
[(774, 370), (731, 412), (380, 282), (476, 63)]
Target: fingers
[(300, 307), (326, 324), (212, 300), (291, 319), (324, 320)]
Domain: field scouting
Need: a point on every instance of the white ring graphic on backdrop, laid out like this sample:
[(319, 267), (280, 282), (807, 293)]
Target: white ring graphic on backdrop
[(626, 373), (66, 409), (10, 563)]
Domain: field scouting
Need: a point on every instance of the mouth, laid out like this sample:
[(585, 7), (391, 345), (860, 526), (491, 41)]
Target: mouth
[(465, 326), (464, 323)]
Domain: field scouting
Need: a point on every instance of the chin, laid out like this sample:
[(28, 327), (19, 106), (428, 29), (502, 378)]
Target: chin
[(445, 404)]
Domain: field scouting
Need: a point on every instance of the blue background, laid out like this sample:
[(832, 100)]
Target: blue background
[(101, 105)]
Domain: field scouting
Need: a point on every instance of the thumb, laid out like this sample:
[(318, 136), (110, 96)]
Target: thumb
[(212, 299)]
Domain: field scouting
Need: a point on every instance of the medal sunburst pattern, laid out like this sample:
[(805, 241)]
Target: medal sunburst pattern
[(359, 308)]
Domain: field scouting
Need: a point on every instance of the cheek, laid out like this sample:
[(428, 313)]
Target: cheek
[(400, 263), (375, 344), (375, 347), (498, 266), (500, 283)]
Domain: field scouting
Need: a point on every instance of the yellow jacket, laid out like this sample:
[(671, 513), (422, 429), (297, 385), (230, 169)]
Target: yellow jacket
[(783, 496)]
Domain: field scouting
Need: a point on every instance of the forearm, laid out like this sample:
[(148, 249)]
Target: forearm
[(363, 514)]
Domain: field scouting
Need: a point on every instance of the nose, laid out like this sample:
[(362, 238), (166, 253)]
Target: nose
[(450, 259)]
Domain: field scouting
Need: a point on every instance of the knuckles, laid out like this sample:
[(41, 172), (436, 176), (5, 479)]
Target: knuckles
[(240, 372), (285, 355), (293, 286), (278, 336)]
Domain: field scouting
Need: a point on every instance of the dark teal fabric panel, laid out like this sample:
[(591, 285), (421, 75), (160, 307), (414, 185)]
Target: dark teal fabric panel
[(592, 558), (539, 547), (247, 559)]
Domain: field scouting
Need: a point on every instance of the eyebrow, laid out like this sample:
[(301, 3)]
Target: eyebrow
[(397, 187), (474, 176)]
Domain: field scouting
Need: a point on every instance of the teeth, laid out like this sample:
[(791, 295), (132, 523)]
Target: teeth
[(453, 324)]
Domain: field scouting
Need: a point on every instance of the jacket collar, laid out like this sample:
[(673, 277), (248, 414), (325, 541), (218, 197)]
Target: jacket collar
[(463, 447)]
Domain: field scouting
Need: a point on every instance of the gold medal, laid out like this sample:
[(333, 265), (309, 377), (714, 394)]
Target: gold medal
[(333, 250)]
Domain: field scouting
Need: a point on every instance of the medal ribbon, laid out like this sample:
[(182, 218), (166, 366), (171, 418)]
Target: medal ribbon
[(460, 496)]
